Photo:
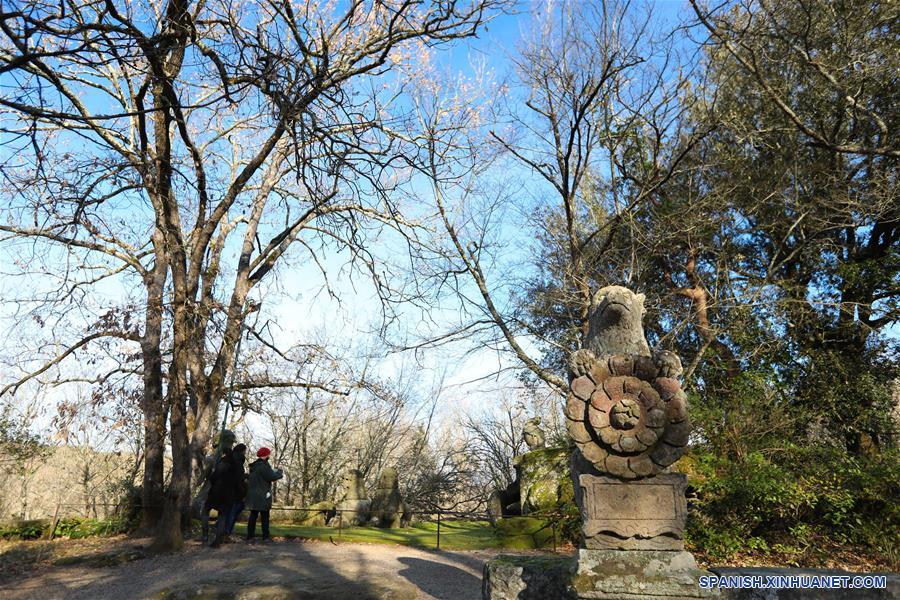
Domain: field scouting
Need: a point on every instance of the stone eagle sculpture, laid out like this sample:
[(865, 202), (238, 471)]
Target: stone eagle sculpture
[(626, 410)]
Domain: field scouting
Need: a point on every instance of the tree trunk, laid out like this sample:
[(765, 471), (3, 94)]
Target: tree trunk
[(153, 492)]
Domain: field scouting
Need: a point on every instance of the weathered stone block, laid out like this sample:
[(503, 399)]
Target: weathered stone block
[(509, 577), (388, 508), (316, 515), (636, 575), (647, 514), (544, 480)]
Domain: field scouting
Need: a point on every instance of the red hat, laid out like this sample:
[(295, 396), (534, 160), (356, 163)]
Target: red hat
[(263, 452)]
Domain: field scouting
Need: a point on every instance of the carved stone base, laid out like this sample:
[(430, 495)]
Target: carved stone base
[(645, 514), (637, 574)]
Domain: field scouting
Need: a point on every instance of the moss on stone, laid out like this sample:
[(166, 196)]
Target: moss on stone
[(544, 479)]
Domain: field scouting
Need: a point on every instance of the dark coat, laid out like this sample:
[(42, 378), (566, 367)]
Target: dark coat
[(259, 494), (228, 482)]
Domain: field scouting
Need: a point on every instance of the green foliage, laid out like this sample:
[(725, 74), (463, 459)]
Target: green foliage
[(23, 530), (524, 532), (71, 528), (18, 443), (805, 498), (77, 527), (567, 521)]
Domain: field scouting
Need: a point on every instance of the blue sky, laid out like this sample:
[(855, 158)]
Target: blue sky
[(298, 305)]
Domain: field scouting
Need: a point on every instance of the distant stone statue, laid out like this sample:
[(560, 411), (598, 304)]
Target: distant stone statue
[(352, 505), (541, 482), (533, 434), (388, 508)]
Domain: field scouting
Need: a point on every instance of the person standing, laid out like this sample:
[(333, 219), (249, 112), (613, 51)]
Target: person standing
[(240, 502), (259, 493), (228, 487), (211, 461)]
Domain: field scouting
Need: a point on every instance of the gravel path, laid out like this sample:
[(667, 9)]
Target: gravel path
[(285, 569)]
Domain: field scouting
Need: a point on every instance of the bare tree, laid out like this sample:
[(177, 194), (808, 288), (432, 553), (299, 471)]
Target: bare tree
[(495, 440), (595, 118), (151, 145), (380, 422)]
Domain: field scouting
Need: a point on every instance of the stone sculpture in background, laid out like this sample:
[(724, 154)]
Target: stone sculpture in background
[(544, 481), (388, 508), (353, 507), (533, 434), (542, 478)]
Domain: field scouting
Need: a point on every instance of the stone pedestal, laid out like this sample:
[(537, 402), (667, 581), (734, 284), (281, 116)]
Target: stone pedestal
[(636, 574), (644, 514), (633, 532)]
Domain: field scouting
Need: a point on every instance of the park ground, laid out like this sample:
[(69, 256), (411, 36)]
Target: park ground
[(119, 567), (356, 563)]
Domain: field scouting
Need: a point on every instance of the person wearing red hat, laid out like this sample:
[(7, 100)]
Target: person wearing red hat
[(259, 494)]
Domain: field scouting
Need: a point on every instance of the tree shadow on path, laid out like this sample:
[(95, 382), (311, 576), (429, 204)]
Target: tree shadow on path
[(443, 581), (280, 570)]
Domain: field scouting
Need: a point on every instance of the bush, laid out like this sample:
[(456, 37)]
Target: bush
[(811, 496), (76, 528), (72, 528), (23, 530)]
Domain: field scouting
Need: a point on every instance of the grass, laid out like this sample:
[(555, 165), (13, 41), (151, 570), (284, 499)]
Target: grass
[(519, 533)]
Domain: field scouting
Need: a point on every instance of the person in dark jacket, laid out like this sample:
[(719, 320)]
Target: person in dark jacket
[(236, 509), (228, 488), (221, 448), (259, 493)]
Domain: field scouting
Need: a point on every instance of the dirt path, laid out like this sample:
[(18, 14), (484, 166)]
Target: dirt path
[(284, 569)]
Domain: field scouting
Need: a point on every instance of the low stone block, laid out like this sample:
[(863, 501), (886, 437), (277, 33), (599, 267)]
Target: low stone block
[(510, 577), (595, 574), (636, 575)]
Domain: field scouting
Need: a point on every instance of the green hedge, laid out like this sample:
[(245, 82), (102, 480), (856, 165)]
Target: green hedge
[(77, 528), (71, 528), (803, 499), (23, 530)]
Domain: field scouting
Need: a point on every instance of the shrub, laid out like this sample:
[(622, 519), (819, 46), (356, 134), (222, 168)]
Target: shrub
[(808, 496), (77, 528), (23, 530)]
